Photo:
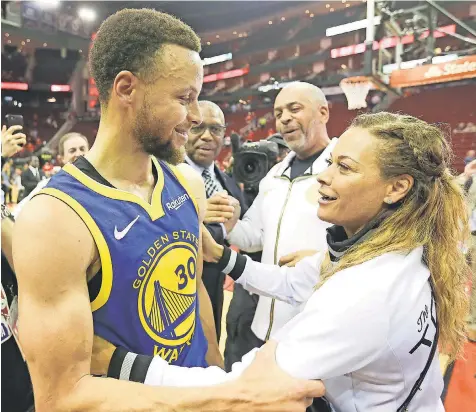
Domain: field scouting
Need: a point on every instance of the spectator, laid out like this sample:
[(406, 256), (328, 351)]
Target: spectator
[(6, 182), (70, 147), (32, 176), (17, 186), (203, 147), (467, 179), (470, 156)]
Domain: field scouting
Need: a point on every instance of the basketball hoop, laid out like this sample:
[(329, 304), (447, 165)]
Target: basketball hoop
[(356, 90)]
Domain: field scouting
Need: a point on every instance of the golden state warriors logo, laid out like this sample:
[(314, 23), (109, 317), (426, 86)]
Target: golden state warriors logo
[(167, 295)]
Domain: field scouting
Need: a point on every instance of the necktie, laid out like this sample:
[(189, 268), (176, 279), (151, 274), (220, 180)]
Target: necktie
[(211, 185)]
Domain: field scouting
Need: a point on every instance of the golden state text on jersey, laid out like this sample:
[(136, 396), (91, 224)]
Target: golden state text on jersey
[(145, 296)]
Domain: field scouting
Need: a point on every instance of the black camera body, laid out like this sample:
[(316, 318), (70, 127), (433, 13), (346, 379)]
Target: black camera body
[(253, 161)]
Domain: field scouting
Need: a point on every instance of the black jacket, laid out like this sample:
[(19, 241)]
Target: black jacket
[(213, 279), (29, 181)]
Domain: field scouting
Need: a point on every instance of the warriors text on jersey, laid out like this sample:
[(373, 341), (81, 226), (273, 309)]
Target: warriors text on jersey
[(144, 299)]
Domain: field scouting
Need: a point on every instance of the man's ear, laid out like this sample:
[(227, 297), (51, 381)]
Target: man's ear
[(124, 87), (324, 111)]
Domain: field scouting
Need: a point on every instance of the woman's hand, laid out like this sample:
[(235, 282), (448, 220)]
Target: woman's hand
[(292, 259)]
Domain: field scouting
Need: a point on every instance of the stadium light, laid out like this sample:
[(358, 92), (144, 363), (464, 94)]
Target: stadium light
[(87, 14), (346, 28), (48, 4), (217, 59)]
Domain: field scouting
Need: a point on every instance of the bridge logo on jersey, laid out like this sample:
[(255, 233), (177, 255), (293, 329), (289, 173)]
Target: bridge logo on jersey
[(167, 295)]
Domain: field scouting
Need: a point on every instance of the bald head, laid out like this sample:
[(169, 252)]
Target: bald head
[(207, 107), (311, 92), (302, 113), (206, 140)]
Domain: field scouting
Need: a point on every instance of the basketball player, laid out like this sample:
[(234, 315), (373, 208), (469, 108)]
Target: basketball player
[(123, 238)]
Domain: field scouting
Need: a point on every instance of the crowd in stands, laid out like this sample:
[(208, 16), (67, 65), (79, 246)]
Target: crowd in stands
[(13, 65), (49, 66)]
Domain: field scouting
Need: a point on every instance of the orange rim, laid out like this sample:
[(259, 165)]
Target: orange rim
[(357, 79)]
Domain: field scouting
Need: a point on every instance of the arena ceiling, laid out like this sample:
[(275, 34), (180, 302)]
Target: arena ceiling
[(205, 16)]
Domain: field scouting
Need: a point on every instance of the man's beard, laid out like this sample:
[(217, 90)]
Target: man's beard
[(151, 143)]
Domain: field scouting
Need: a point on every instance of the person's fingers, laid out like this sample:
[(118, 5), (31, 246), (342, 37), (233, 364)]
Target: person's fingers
[(19, 139), (268, 350), (209, 220), (4, 129), (286, 259), (311, 389), (220, 208), (14, 128), (21, 142), (218, 200), (213, 213), (292, 263)]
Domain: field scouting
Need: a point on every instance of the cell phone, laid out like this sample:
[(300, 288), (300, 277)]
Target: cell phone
[(14, 120)]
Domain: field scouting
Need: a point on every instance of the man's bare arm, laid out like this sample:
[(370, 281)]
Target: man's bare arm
[(55, 323)]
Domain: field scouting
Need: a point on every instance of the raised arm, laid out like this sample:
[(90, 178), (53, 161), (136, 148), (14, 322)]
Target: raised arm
[(293, 285), (247, 233)]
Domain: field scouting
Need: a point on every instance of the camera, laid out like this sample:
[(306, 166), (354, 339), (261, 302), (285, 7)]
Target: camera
[(253, 161)]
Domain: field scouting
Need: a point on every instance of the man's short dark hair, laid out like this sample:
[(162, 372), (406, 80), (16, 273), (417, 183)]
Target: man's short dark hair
[(130, 39)]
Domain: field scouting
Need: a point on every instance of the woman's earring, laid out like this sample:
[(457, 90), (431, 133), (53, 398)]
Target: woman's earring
[(388, 201)]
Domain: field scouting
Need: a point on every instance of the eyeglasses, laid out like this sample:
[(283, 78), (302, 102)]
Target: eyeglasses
[(216, 130)]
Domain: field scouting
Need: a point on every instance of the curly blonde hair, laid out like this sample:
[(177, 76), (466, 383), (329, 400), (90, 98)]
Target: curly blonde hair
[(432, 215)]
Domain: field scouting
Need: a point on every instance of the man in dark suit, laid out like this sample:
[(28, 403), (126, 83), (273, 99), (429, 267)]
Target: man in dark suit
[(31, 176), (203, 147)]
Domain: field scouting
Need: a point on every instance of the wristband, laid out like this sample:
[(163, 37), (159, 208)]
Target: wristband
[(232, 263), (128, 366)]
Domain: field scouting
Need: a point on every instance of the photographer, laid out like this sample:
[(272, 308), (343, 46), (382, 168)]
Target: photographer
[(278, 221), (254, 160)]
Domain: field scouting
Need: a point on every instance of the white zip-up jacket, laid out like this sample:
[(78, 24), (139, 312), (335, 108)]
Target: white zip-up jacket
[(282, 220), (369, 333)]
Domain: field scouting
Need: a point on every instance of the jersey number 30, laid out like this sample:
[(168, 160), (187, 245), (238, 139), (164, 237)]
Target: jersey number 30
[(185, 273)]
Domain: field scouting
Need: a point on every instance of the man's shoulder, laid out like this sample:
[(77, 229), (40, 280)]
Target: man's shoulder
[(194, 184)]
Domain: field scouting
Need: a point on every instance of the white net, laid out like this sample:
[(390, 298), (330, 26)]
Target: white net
[(356, 91)]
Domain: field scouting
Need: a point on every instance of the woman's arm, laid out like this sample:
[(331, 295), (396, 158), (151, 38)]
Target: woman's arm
[(293, 285), (339, 331)]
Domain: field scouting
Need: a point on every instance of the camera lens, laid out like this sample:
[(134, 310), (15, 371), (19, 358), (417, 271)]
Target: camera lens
[(250, 167)]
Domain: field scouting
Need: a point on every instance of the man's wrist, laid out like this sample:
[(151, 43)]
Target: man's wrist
[(231, 263)]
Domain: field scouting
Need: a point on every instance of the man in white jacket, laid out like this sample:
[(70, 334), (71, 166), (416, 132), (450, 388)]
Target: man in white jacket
[(280, 220)]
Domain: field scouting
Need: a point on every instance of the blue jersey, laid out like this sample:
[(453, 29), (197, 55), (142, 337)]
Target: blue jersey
[(147, 295)]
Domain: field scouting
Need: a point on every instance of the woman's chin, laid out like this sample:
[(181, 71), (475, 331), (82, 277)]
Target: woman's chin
[(325, 217)]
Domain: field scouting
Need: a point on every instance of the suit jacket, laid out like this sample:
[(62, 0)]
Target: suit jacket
[(29, 181), (229, 184), (213, 279)]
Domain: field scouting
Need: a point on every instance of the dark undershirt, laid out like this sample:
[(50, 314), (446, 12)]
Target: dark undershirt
[(299, 166), (94, 284)]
